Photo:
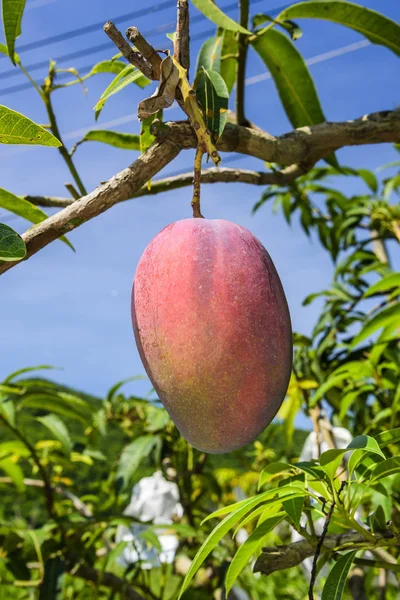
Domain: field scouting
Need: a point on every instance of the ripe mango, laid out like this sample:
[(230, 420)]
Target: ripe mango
[(213, 330)]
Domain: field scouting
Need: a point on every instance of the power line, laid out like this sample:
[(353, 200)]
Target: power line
[(78, 53), (38, 4), (93, 49), (60, 76), (315, 59), (67, 35)]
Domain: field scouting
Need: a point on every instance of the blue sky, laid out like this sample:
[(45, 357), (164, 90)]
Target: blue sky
[(73, 310)]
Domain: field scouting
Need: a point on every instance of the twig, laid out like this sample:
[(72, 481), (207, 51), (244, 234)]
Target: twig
[(182, 39), (241, 70), (46, 95), (49, 201), (283, 557), (74, 193), (318, 550), (211, 175), (196, 183), (135, 58), (146, 50)]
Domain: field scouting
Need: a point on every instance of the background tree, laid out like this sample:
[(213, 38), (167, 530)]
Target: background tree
[(75, 483)]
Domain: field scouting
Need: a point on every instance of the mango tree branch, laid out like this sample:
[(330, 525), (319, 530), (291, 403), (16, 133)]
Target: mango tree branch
[(182, 39), (120, 187), (135, 58), (196, 184), (300, 145), (279, 558), (300, 148)]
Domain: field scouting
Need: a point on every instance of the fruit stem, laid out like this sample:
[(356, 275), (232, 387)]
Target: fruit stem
[(196, 183)]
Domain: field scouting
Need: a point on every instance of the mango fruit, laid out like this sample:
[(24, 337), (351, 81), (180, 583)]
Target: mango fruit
[(213, 330)]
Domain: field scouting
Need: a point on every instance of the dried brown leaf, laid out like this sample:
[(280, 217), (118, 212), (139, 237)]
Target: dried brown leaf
[(164, 95)]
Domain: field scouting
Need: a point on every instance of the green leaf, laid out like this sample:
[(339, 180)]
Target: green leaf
[(361, 462), (388, 437), (288, 411), (348, 399), (21, 207), (4, 50), (311, 469), (104, 66), (13, 448), (112, 556), (292, 28), (229, 61), (107, 66), (62, 404), (387, 467), (133, 454), (215, 14), (58, 429), (7, 410), (111, 394), (266, 510), (378, 520), (271, 507), (250, 547), (369, 178), (292, 78), (18, 129), (128, 75), (216, 536), (126, 141), (209, 56), (14, 471), (146, 137), (12, 17), (213, 97), (334, 585), (8, 389), (52, 587), (325, 387), (377, 28), (157, 420), (294, 506), (331, 459), (151, 538), (271, 470), (388, 282), (270, 495), (12, 246), (389, 316), (19, 372)]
